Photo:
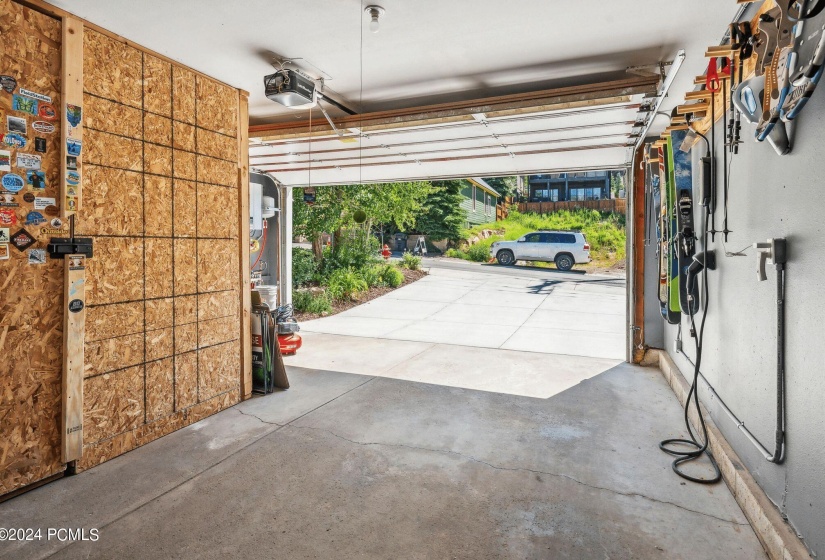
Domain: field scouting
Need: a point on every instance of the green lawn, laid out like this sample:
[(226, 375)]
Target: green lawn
[(605, 231)]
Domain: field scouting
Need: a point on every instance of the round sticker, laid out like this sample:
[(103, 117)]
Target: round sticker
[(46, 111), (76, 306), (28, 197), (13, 182), (56, 222), (14, 140), (43, 126), (73, 177), (52, 210)]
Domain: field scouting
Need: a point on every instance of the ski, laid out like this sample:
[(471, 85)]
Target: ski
[(670, 263), (685, 237)]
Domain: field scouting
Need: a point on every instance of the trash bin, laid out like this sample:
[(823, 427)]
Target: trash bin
[(401, 242)]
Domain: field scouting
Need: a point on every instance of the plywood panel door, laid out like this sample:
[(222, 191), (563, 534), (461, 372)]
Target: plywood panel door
[(31, 285)]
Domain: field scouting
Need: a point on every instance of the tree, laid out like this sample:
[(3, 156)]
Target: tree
[(334, 207), (443, 216), (616, 182)]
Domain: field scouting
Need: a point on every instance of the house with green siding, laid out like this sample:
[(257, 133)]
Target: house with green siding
[(479, 200)]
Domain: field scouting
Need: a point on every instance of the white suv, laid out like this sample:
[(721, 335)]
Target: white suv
[(565, 248)]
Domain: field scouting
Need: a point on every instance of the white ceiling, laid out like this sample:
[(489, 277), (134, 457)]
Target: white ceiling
[(427, 51)]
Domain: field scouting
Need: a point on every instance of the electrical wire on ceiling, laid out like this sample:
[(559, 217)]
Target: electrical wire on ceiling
[(361, 94)]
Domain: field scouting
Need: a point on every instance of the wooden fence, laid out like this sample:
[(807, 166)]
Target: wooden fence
[(606, 205)]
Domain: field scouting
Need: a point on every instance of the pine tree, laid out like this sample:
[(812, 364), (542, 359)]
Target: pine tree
[(443, 218)]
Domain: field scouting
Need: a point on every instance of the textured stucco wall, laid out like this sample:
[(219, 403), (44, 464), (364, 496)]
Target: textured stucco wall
[(770, 196)]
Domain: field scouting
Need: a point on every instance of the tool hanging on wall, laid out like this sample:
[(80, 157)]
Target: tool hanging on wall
[(807, 56), (742, 44)]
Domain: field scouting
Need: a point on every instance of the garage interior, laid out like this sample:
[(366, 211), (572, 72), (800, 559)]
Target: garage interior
[(126, 379)]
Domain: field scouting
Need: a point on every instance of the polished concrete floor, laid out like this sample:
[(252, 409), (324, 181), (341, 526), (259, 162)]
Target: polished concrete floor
[(459, 444), (351, 466)]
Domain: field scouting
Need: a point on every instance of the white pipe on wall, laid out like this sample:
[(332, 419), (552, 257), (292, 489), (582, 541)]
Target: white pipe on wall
[(285, 277)]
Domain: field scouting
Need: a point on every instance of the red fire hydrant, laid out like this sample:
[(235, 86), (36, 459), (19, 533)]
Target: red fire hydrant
[(385, 252)]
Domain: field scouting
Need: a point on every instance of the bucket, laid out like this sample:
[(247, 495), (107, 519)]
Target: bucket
[(269, 296)]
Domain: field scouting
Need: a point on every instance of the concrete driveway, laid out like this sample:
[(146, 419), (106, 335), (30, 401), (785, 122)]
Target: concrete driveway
[(512, 330)]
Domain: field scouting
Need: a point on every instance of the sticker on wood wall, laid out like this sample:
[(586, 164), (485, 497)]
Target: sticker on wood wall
[(43, 127), (16, 124), (35, 95), (37, 256), (14, 140), (12, 182), (29, 161), (8, 83), (24, 104), (74, 146), (47, 112), (22, 240), (37, 179), (73, 114), (7, 217)]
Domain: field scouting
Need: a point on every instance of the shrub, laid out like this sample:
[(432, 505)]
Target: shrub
[(480, 252), (355, 252), (304, 266), (392, 276), (308, 302), (410, 261), (346, 283), (372, 275)]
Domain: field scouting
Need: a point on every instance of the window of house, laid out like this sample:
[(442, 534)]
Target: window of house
[(589, 193)]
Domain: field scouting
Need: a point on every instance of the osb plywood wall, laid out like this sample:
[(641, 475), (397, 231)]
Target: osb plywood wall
[(160, 158), (31, 295)]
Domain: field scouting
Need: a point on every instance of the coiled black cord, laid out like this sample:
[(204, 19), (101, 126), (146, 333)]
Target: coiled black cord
[(699, 447)]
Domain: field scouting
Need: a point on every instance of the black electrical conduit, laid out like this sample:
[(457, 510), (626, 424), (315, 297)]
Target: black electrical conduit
[(778, 455)]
